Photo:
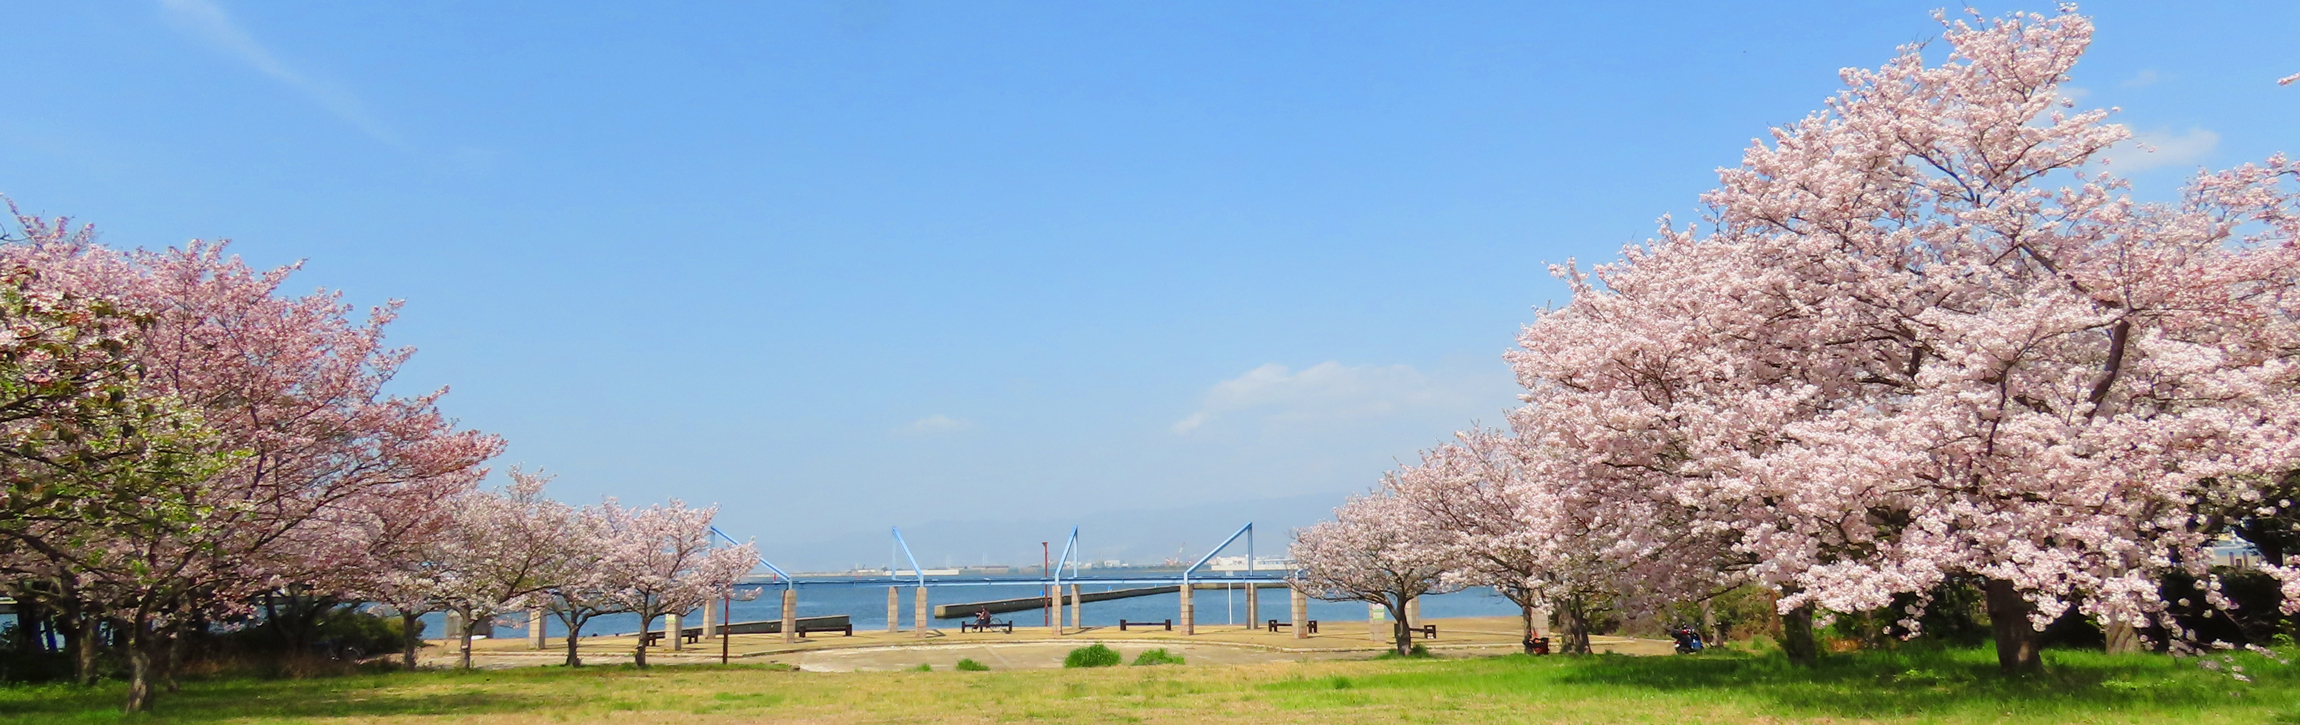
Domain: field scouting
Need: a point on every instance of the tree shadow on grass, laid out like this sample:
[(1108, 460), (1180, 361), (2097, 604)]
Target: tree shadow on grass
[(1930, 681), (242, 699)]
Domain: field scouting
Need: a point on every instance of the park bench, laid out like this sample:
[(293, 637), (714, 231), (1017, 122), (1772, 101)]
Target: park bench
[(1008, 625), (1278, 625), (690, 636), (845, 628), (1429, 631), (1168, 624)]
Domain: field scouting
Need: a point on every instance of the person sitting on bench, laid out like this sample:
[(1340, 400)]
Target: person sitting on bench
[(982, 618)]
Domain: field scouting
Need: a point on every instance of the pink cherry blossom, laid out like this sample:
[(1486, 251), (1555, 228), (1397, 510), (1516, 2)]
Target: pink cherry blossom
[(1927, 335)]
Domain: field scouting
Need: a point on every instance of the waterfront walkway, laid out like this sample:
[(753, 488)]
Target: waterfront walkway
[(1026, 648)]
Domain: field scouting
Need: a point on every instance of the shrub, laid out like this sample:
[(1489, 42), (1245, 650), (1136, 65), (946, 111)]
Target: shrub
[(967, 664), (1094, 655), (1157, 656), (923, 667)]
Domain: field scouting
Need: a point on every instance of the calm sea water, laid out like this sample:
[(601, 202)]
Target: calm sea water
[(865, 606)]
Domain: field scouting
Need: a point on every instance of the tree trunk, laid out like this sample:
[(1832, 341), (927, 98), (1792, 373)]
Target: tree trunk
[(1401, 633), (83, 644), (464, 638), (409, 640), (27, 623), (2017, 646), (140, 667), (1573, 619), (174, 660), (1797, 636), (2123, 638), (1526, 613), (639, 655), (1709, 623), (574, 633)]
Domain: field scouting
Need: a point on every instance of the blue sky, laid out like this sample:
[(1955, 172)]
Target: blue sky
[(839, 266)]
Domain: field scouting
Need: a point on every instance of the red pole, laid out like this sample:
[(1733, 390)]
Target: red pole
[(726, 609)]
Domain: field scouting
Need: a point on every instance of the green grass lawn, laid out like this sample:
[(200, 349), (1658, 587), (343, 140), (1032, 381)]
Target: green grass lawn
[(1918, 686)]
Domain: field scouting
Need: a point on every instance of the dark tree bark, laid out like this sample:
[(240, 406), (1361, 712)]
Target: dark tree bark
[(28, 617), (1797, 636), (2017, 641), (574, 638), (1401, 631), (639, 655), (1526, 613), (1573, 620), (409, 638), (143, 667), (84, 640)]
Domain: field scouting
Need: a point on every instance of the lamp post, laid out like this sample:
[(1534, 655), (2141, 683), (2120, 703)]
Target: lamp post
[(1045, 570)]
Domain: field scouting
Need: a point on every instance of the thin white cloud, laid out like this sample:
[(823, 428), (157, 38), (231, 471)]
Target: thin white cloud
[(2143, 79), (937, 423), (208, 22), (2154, 149), (1322, 392)]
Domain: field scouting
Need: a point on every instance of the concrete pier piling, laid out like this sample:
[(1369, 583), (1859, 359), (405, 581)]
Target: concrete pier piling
[(709, 608), (1189, 611), (1413, 611), (1253, 613), (535, 628), (893, 610), (1377, 619), (918, 612), (1301, 607), (673, 627), (1077, 613), (790, 616)]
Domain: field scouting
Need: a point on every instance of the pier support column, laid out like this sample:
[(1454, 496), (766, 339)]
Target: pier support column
[(893, 611), (1077, 614), (671, 625), (918, 613), (1301, 607), (535, 628), (1413, 612), (1189, 612), (1376, 617), (710, 610), (1253, 613), (790, 616), (1054, 608)]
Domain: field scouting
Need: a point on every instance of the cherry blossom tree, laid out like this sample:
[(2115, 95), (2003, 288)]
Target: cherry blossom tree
[(590, 590), (291, 388), (1378, 550), (403, 556), (501, 553), (662, 562), (1510, 523), (1928, 335), (77, 432)]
